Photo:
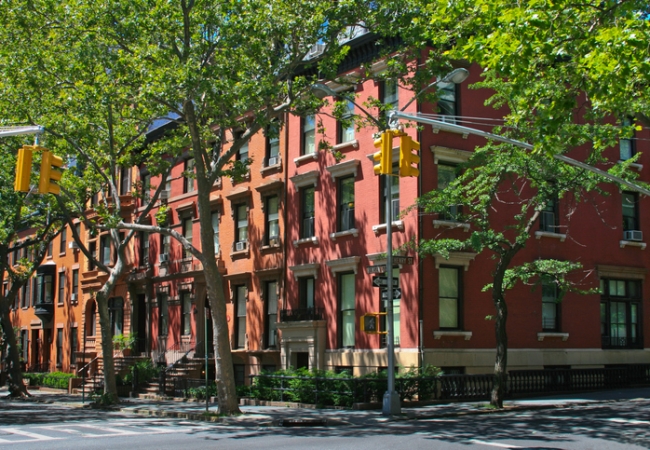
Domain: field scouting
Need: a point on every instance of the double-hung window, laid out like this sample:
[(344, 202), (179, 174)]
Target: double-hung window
[(308, 213), (548, 218), (214, 215), (74, 296), (125, 180), (449, 297), (626, 146), (630, 211), (308, 135), (105, 249), (186, 313), (61, 299), (187, 234), (240, 310), (272, 220), (188, 176), (448, 101), (550, 307), (144, 248), (346, 124), (620, 313), (74, 343), (271, 288), (273, 145), (63, 239), (241, 224), (394, 196), (346, 203), (346, 302), (446, 175), (59, 347), (306, 292), (163, 313), (116, 315)]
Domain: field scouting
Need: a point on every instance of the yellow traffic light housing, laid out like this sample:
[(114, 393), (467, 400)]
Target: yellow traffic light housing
[(50, 173), (23, 169), (371, 324), (384, 156), (408, 161)]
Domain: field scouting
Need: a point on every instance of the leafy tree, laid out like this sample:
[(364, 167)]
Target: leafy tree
[(566, 71)]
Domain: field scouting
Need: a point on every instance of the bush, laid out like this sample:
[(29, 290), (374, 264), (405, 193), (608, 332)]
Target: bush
[(35, 379), (146, 372), (58, 380)]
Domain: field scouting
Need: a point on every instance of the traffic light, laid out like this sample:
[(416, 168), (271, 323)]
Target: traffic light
[(50, 174), (408, 161), (384, 156), (371, 324), (23, 169)]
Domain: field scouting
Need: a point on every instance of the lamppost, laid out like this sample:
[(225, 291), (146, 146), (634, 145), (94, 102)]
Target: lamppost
[(391, 402)]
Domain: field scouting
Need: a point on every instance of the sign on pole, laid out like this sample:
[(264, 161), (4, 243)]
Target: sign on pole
[(382, 282), (397, 294), (403, 259), (377, 268)]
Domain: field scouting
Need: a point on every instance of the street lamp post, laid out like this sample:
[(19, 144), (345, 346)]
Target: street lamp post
[(391, 402)]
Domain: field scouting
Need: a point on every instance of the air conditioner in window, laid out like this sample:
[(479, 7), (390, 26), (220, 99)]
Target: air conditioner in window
[(73, 297), (73, 245), (274, 240), (240, 246), (633, 235), (163, 257), (316, 50), (164, 195), (273, 160)]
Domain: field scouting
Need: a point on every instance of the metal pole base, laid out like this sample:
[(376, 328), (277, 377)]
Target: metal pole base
[(392, 404)]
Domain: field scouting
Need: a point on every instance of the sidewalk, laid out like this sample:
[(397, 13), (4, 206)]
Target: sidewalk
[(256, 416)]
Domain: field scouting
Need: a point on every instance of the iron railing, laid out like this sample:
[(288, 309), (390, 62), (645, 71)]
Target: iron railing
[(298, 314)]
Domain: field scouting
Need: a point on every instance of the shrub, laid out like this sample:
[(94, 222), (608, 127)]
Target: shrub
[(58, 380)]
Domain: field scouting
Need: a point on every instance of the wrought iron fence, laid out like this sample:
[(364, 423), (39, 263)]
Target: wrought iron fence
[(297, 314)]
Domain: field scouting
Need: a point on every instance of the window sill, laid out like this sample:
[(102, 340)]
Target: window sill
[(549, 234), (266, 169), (344, 145), (397, 224), (240, 254), (439, 334), (641, 245), (269, 247), (310, 240), (638, 167), (305, 158), (450, 224), (551, 334), (339, 234)]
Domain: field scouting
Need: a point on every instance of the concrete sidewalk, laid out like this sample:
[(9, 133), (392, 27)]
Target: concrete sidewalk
[(256, 416)]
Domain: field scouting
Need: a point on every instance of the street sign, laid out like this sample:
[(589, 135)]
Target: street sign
[(382, 282), (397, 294), (377, 268), (403, 259)]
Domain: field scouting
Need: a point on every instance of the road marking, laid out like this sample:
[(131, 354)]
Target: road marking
[(34, 436), (493, 444), (630, 421)]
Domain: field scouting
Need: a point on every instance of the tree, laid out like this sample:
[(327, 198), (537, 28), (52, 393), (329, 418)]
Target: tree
[(566, 72), (222, 71)]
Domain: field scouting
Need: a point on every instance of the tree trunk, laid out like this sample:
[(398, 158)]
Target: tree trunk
[(501, 362), (16, 386), (225, 374)]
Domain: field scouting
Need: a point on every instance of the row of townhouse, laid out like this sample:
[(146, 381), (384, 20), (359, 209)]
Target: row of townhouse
[(294, 241)]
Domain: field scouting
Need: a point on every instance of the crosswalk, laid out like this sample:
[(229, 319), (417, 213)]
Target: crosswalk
[(92, 430)]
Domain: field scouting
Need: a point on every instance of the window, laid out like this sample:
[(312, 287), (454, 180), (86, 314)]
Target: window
[(308, 135), (105, 250), (448, 101), (165, 245), (630, 211), (626, 146), (242, 155), (273, 145), (163, 313), (241, 223), (347, 319), (91, 319), (146, 188), (550, 307), (186, 312), (446, 175), (50, 248), (272, 220), (306, 292), (62, 240), (144, 248), (346, 124), (44, 289), (271, 313), (548, 218), (92, 248), (116, 314), (215, 230), (389, 96), (24, 300), (394, 202), (125, 181), (61, 299), (240, 324), (188, 176), (449, 297), (187, 234), (620, 304), (59, 347), (308, 212), (75, 286), (346, 204), (24, 339), (74, 344)]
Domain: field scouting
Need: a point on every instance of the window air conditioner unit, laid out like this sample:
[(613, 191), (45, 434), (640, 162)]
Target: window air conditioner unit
[(73, 245), (273, 160), (73, 297), (163, 257), (273, 240), (633, 235), (240, 246), (164, 195)]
